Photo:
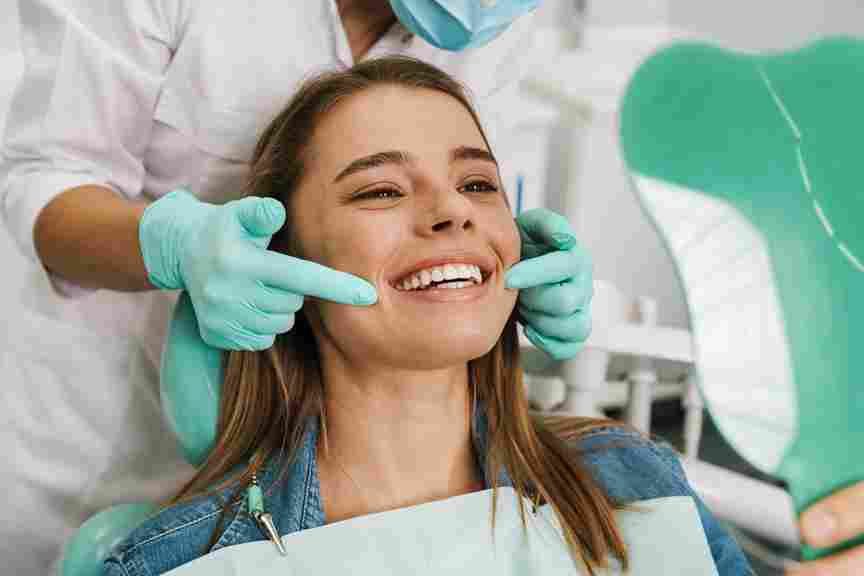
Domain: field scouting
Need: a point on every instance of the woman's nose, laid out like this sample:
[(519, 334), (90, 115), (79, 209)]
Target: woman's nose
[(448, 210)]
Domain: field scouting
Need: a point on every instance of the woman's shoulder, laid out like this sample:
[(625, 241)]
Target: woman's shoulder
[(630, 465), (176, 535)]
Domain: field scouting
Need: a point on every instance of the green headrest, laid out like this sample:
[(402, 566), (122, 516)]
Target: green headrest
[(190, 383)]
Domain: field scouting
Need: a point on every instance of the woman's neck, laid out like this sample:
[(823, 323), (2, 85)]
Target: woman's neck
[(393, 440), (365, 22)]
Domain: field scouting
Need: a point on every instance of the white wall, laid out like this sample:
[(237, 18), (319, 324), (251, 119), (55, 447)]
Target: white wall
[(767, 24), (9, 25), (629, 13), (625, 247)]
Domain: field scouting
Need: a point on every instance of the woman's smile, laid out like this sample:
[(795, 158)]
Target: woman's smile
[(455, 277), (448, 291)]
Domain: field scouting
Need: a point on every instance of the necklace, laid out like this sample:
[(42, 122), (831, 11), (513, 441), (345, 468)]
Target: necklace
[(474, 486), (351, 478), (802, 168)]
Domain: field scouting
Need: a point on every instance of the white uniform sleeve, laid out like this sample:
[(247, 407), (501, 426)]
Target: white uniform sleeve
[(83, 111)]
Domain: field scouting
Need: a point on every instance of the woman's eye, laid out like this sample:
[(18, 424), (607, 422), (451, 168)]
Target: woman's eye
[(479, 186), (379, 194)]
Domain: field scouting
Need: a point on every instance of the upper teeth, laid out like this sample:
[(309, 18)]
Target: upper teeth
[(423, 278)]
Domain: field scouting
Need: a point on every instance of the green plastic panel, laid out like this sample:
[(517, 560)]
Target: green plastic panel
[(764, 153)]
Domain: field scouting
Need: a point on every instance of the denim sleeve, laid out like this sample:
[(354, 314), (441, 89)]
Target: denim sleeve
[(114, 568), (633, 468)]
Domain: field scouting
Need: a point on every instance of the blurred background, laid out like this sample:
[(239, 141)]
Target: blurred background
[(567, 142)]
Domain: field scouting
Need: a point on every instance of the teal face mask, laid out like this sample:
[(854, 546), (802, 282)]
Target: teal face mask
[(458, 24)]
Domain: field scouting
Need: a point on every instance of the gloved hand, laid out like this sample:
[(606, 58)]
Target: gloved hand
[(243, 294), (556, 283)]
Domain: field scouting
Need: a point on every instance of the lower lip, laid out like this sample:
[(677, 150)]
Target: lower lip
[(468, 294)]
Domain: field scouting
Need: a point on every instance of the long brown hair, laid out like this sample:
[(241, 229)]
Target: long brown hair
[(269, 396)]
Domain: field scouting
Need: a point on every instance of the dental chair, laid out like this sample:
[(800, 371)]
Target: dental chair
[(750, 166), (191, 409)]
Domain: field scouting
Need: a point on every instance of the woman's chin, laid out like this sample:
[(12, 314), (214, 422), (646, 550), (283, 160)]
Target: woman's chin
[(442, 351)]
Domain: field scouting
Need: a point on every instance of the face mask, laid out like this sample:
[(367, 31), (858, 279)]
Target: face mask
[(458, 24)]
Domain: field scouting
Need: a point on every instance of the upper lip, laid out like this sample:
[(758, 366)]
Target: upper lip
[(485, 262)]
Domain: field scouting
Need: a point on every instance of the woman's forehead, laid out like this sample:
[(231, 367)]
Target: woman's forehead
[(423, 122)]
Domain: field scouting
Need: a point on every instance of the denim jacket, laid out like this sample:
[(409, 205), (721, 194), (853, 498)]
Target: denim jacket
[(628, 466)]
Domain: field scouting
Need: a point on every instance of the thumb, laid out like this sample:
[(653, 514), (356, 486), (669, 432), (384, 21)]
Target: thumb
[(546, 229), (260, 216)]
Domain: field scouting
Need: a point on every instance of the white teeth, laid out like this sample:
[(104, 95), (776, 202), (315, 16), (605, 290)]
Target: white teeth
[(457, 284), (459, 275)]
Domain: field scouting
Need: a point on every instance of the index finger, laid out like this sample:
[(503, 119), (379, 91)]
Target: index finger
[(310, 278), (835, 519), (549, 268)]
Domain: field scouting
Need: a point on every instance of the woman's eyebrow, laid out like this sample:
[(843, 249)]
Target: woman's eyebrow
[(401, 158), (374, 161), (471, 153)]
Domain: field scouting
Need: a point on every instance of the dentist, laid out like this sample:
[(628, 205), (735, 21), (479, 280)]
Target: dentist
[(128, 138)]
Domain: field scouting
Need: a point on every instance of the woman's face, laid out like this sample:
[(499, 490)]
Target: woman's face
[(400, 189)]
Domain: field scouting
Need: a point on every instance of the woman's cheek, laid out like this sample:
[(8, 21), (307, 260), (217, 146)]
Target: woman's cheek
[(362, 245), (510, 244)]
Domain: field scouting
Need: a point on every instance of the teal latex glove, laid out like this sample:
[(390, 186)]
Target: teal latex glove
[(243, 294), (555, 282), (85, 553)]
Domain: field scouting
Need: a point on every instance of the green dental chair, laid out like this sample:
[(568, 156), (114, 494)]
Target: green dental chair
[(752, 169), (191, 406)]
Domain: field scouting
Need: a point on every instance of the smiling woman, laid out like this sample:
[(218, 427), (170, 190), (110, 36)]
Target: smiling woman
[(390, 194), (384, 172)]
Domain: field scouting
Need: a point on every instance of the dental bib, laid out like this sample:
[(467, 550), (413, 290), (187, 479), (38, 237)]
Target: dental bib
[(750, 167), (454, 536)]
